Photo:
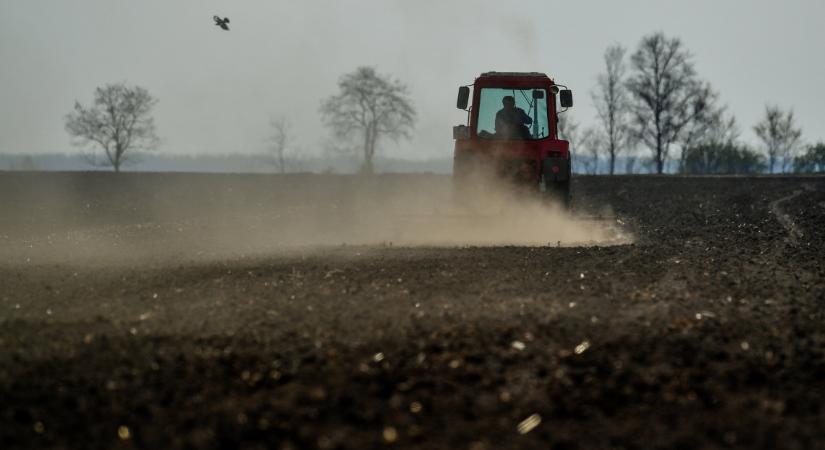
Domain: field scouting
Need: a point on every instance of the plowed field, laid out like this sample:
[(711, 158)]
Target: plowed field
[(332, 312)]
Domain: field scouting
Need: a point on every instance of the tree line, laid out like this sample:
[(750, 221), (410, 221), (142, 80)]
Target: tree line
[(655, 100), (652, 99), (369, 105)]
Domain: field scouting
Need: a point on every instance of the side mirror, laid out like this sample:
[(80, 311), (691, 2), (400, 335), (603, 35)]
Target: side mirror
[(566, 98), (538, 94), (463, 97)]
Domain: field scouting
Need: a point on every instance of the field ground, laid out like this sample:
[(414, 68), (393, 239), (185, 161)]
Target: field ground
[(291, 312)]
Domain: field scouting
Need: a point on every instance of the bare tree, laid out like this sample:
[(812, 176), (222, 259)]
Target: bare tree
[(591, 145), (118, 121), (279, 141), (584, 145), (812, 160), (666, 94), (370, 105), (723, 130), (716, 147), (705, 122), (612, 104), (780, 136)]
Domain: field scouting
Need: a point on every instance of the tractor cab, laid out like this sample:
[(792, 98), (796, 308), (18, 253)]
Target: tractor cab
[(512, 130)]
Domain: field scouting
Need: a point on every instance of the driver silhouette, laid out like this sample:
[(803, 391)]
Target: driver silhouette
[(511, 122)]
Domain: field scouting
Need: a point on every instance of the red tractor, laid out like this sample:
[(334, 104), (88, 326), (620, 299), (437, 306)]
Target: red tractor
[(512, 134)]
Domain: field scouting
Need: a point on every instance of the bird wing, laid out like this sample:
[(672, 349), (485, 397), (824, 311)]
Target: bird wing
[(223, 25), (226, 19)]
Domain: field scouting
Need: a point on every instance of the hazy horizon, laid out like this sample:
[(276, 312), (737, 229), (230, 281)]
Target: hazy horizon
[(217, 89)]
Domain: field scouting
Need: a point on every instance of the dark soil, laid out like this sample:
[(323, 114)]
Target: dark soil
[(707, 332)]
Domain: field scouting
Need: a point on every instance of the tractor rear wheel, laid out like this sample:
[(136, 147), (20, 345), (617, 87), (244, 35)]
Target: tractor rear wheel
[(556, 178)]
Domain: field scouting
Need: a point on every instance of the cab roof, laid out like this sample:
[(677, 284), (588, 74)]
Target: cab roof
[(513, 74), (513, 79)]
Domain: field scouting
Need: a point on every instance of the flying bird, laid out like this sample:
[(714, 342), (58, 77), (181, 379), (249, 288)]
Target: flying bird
[(222, 22)]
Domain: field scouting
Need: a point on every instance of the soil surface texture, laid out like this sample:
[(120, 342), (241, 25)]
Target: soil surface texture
[(336, 312)]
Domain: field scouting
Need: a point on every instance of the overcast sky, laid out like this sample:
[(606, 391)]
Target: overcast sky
[(217, 89)]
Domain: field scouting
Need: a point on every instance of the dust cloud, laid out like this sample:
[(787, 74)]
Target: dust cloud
[(140, 217)]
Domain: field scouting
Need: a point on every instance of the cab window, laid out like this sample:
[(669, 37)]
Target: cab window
[(505, 113)]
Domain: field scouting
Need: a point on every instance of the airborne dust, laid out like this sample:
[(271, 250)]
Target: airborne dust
[(103, 218)]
